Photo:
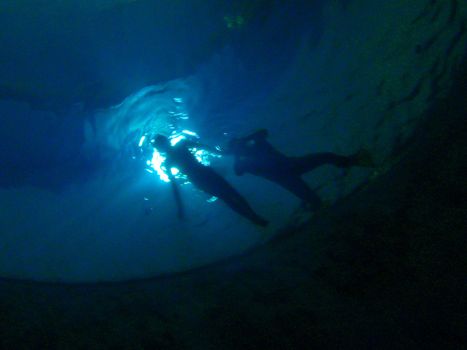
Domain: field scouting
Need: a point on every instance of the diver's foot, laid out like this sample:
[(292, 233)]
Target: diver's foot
[(363, 158)]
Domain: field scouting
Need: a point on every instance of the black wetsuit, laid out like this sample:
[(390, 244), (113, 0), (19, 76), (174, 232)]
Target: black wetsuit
[(255, 155), (207, 180)]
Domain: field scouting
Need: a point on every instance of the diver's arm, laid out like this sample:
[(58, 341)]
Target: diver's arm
[(178, 197)]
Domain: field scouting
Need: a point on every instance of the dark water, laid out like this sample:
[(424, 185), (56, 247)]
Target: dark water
[(379, 267)]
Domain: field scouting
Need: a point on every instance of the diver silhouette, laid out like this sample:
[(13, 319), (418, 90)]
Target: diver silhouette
[(255, 155), (203, 177)]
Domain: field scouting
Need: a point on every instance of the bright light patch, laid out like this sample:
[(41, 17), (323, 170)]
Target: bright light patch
[(156, 164), (212, 199), (201, 156), (176, 139), (191, 133), (174, 171), (141, 141)]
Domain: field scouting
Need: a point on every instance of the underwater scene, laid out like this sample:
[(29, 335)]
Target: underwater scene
[(245, 174)]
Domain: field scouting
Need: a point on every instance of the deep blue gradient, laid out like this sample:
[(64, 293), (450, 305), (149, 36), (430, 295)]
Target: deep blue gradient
[(81, 84)]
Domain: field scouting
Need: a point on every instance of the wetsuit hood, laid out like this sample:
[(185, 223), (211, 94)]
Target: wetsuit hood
[(161, 142)]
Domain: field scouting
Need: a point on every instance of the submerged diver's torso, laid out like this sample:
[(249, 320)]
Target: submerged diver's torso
[(259, 157), (203, 177), (180, 157)]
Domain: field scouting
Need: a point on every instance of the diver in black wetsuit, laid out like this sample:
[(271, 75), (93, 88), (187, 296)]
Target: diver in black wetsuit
[(255, 155), (203, 177)]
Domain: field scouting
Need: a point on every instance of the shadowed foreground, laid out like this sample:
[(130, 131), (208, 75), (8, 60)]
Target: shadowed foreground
[(381, 269)]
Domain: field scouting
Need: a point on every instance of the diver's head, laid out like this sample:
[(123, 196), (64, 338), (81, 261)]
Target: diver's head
[(161, 142)]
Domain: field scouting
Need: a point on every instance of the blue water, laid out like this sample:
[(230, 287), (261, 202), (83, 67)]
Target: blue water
[(82, 84)]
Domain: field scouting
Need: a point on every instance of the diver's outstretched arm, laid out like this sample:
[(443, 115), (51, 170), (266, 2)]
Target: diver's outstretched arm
[(178, 197), (239, 145), (194, 144)]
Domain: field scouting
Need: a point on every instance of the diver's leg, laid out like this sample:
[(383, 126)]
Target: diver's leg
[(309, 162), (301, 165), (237, 203), (216, 185), (298, 187)]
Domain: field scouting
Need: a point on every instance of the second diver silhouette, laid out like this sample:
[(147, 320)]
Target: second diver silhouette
[(203, 177), (255, 155)]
